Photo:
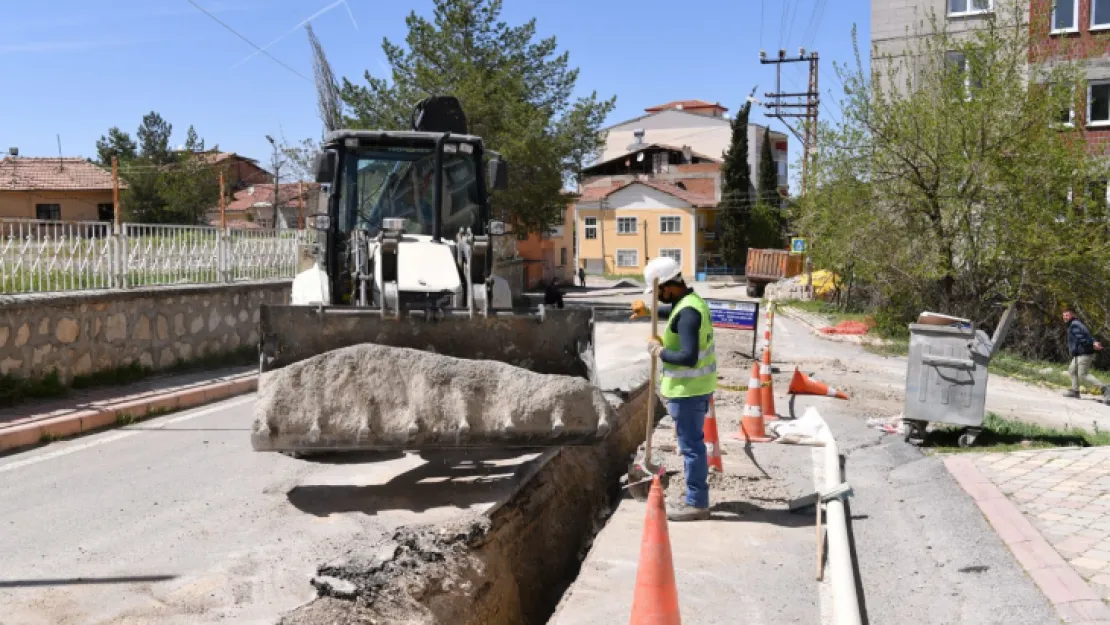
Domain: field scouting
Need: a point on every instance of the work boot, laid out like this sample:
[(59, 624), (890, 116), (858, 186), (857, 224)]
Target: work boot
[(686, 512), (1074, 394)]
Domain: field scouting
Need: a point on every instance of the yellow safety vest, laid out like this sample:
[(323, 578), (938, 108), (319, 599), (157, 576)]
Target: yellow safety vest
[(701, 379)]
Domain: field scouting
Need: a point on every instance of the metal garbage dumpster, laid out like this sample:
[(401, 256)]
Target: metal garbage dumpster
[(946, 377)]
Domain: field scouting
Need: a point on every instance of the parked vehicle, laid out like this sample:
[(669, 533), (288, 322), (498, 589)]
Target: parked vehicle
[(765, 266)]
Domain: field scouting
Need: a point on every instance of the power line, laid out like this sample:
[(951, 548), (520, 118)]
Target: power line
[(817, 24), (794, 15), (251, 43)]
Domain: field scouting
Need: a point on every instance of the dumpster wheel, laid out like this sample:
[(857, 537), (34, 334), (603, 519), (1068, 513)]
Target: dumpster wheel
[(914, 431), (967, 439)]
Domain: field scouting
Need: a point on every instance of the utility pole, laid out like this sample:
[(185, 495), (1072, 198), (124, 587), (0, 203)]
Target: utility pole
[(783, 106), (223, 204), (115, 194), (277, 179), (300, 205)]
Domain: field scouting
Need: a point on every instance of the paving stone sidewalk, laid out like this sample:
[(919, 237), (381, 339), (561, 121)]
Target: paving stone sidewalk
[(1065, 494)]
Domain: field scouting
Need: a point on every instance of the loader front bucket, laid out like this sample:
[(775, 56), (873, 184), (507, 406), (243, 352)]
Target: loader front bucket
[(345, 379), (548, 341)]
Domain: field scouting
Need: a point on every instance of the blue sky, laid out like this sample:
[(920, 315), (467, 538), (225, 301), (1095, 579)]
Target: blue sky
[(74, 68)]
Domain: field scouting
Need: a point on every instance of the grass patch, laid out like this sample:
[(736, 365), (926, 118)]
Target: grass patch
[(1005, 435), (15, 390), (895, 346)]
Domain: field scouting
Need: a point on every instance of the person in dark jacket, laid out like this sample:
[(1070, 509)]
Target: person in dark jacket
[(1082, 346), (552, 296), (582, 277)]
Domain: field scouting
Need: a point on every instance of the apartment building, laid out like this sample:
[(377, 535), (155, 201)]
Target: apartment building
[(655, 190), (898, 25)]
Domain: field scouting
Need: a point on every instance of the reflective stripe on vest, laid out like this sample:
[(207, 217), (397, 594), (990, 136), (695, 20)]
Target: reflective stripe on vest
[(701, 379)]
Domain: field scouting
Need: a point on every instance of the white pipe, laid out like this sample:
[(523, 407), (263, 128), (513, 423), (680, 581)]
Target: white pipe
[(840, 570)]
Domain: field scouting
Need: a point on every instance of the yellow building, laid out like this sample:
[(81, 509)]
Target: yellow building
[(58, 189), (621, 227)]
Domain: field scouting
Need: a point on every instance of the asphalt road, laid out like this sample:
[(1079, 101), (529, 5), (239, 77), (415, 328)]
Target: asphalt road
[(176, 520), (925, 553)]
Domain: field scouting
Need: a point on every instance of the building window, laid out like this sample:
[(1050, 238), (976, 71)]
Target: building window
[(591, 228), (957, 61), (51, 212), (628, 258), (1065, 16), (968, 7), (701, 221), (105, 212), (563, 256), (1066, 117), (1100, 14), (626, 225), (670, 225), (1098, 103), (672, 253)]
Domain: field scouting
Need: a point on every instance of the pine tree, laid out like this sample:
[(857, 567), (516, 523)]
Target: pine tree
[(765, 223), (736, 183), (517, 92), (118, 144), (154, 138), (193, 142)]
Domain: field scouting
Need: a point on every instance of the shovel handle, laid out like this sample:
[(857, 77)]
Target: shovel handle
[(653, 334)]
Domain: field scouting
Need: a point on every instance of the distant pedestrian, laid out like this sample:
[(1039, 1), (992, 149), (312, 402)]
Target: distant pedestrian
[(1082, 346), (552, 295), (582, 277)]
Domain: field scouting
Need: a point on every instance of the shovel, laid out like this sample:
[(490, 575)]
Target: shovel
[(642, 469)]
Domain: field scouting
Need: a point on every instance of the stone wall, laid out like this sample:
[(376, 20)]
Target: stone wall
[(84, 332)]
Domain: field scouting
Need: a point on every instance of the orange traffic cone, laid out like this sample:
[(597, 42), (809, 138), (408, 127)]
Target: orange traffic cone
[(767, 391), (751, 424), (802, 384), (656, 598), (712, 440)]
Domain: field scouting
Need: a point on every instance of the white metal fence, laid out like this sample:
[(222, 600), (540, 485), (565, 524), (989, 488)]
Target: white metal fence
[(44, 256)]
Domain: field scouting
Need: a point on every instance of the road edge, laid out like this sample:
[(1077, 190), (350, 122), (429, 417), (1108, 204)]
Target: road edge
[(106, 415), (1074, 600)]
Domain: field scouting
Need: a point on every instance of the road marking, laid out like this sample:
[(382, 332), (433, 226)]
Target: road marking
[(156, 424)]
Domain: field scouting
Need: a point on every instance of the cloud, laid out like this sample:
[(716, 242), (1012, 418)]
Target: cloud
[(33, 47)]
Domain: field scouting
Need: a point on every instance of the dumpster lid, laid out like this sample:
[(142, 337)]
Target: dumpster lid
[(938, 319)]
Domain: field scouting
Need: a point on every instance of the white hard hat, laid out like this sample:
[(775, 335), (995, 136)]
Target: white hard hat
[(664, 268)]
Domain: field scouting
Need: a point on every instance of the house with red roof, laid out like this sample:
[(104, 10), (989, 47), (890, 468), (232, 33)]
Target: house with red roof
[(55, 188)]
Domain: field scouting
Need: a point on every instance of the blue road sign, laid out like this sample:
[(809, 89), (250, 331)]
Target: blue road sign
[(797, 246), (732, 314)]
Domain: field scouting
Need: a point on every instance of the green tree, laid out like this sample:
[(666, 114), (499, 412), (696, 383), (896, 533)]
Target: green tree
[(736, 183), (516, 90), (154, 138), (948, 186), (193, 142), (768, 173), (118, 144)]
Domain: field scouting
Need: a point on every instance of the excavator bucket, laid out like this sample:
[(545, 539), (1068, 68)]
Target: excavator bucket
[(345, 379)]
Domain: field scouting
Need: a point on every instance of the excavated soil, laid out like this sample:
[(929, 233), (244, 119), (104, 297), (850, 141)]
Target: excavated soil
[(508, 566), (374, 396)]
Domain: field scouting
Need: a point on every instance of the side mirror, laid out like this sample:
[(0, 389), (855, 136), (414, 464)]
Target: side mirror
[(319, 221), (497, 228), (324, 165), (498, 175)]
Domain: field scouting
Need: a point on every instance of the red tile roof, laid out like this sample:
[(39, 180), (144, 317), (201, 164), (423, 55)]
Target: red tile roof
[(264, 194), (694, 199), (686, 105), (25, 173)]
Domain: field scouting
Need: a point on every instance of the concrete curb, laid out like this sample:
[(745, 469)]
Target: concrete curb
[(1074, 600), (106, 414), (803, 319)]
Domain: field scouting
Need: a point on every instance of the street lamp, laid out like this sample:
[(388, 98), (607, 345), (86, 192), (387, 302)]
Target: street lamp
[(277, 178)]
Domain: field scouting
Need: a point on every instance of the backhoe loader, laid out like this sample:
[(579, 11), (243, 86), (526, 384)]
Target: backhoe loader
[(404, 261)]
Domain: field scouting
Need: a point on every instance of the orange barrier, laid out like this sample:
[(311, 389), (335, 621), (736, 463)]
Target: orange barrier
[(712, 439), (767, 390), (656, 598), (802, 384), (751, 424)]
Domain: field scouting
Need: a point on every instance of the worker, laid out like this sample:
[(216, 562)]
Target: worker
[(582, 277), (689, 376), (1082, 345), (552, 296)]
